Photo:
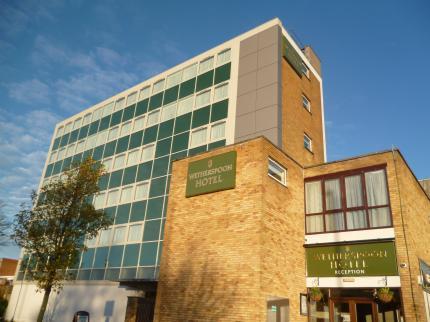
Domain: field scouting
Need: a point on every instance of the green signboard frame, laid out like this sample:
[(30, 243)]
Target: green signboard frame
[(211, 174), (353, 260)]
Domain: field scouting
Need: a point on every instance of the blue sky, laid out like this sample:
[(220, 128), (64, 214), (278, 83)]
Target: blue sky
[(59, 57)]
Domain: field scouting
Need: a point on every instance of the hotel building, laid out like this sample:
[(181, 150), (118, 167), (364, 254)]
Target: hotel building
[(225, 208)]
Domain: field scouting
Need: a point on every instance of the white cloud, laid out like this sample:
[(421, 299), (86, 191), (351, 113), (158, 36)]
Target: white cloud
[(30, 92)]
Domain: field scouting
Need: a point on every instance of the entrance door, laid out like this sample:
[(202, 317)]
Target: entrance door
[(353, 310)]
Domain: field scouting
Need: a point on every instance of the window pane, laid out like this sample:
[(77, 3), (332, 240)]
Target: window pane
[(203, 99), (153, 118), (276, 171), (53, 157), (133, 157), (223, 57), (97, 114), (113, 133), (314, 224), (206, 65), (168, 112), (80, 146), (332, 194), (61, 153), (77, 123), (134, 233), (131, 98), (307, 142), (126, 194), (119, 104), (218, 131), (105, 237), (70, 150), (198, 137), (147, 152), (185, 105), (99, 200), (68, 128), (376, 188), (356, 219), (108, 164), (119, 161), (107, 109), (87, 119), (139, 123), (113, 197), (158, 86), (221, 92), (125, 129), (334, 222), (380, 217), (313, 197), (144, 93), (101, 137), (354, 195), (190, 72), (174, 79), (119, 235), (141, 191), (60, 132)]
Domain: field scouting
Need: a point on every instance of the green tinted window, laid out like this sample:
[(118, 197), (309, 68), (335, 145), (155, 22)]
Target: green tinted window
[(151, 230), (112, 274), (171, 95), (101, 257), (129, 175), (166, 129), (115, 256), (136, 139), (57, 167), (98, 152), (84, 274), (131, 254), (163, 147), (97, 274), (178, 156), (122, 144), (87, 154), (161, 167), (148, 254), (103, 182), (93, 127), (128, 113), (138, 211), (205, 80), (115, 179), (155, 208), (122, 214), (155, 101), (110, 212), (197, 150), (49, 170), (150, 134), (104, 123), (109, 149), (180, 142), (158, 187), (73, 136), (56, 143), (116, 118), (216, 144), (83, 132), (219, 110), (64, 139), (77, 158), (87, 258), (144, 171), (66, 164), (222, 73), (142, 107), (201, 116), (187, 88), (183, 123)]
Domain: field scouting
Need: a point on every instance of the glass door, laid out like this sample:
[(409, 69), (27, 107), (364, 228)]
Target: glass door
[(353, 310)]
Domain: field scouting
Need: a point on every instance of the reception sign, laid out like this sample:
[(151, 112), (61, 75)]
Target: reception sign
[(373, 259), (211, 174)]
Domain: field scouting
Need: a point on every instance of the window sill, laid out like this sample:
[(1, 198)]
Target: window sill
[(350, 235)]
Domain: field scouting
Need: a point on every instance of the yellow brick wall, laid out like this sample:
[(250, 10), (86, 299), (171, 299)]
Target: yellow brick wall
[(225, 253)]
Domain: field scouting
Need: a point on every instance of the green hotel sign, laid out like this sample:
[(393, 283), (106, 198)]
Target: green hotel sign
[(373, 259), (211, 174)]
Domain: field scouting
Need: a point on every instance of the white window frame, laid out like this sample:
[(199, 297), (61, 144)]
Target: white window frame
[(191, 144), (308, 138), (306, 103), (305, 69), (143, 149), (283, 171), (216, 124)]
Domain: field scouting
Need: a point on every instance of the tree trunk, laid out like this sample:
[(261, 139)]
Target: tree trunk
[(44, 304)]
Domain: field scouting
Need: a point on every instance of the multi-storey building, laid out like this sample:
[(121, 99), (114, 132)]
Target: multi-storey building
[(240, 227)]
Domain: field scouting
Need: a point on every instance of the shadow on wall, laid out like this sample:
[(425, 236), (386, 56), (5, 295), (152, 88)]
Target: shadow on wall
[(198, 291)]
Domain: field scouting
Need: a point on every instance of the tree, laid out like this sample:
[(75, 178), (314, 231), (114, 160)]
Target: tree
[(53, 230), (4, 226)]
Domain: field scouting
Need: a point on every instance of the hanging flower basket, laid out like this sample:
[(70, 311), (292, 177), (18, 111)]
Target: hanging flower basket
[(315, 294), (385, 295)]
